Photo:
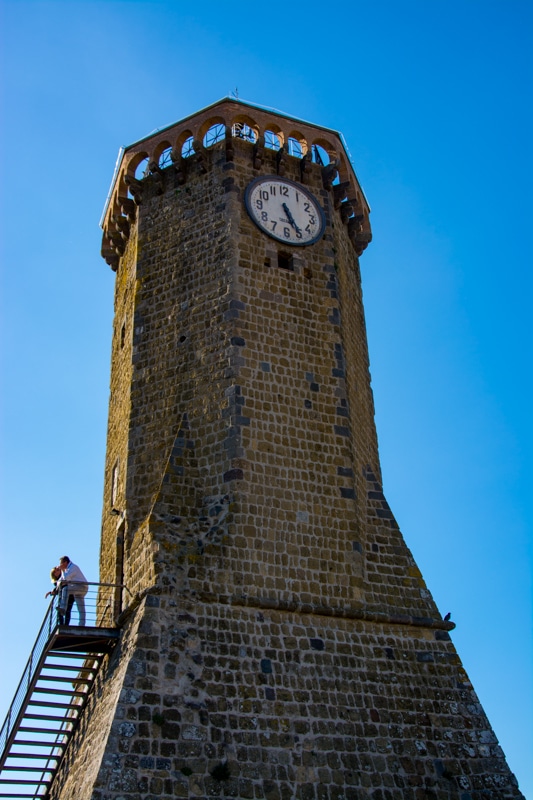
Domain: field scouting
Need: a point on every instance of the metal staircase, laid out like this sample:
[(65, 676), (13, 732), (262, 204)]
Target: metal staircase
[(52, 694)]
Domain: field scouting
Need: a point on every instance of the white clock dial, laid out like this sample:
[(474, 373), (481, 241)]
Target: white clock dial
[(285, 210)]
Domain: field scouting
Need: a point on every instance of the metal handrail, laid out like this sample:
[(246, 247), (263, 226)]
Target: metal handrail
[(38, 653)]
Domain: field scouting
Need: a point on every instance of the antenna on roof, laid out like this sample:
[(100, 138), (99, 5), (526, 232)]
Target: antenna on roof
[(235, 93)]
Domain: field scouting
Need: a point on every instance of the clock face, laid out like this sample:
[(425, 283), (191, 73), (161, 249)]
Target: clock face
[(284, 210)]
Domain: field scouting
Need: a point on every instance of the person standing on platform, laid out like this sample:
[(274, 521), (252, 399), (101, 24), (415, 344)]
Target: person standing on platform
[(77, 588), (61, 590)]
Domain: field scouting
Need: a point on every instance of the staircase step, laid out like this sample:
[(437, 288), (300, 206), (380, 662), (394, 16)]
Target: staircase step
[(61, 679), (47, 782), (39, 756), (33, 743), (49, 718), (65, 692), (45, 704), (81, 654), (29, 769), (12, 795), (69, 667), (30, 729)]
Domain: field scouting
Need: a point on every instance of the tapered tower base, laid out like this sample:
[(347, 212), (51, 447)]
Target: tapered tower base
[(218, 700)]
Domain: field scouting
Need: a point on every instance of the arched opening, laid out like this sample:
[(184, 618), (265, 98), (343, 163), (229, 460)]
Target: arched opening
[(187, 148), (296, 146), (216, 133), (272, 140), (141, 170), (241, 130), (165, 159), (319, 155)]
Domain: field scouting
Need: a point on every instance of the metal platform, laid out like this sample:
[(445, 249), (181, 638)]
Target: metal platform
[(51, 696)]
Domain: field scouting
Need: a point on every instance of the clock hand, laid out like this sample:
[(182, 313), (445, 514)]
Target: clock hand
[(290, 217)]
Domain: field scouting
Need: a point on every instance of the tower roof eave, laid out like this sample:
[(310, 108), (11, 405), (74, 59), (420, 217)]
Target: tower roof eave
[(237, 101)]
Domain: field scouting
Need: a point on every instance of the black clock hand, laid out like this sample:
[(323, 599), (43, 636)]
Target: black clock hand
[(290, 217)]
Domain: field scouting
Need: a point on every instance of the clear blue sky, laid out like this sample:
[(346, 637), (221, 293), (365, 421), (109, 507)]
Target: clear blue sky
[(435, 101)]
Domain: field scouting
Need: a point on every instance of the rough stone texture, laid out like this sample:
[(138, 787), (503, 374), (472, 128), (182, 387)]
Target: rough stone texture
[(297, 705), (282, 643)]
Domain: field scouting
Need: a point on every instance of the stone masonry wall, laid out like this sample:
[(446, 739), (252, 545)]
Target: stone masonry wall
[(119, 410), (250, 423), (225, 701)]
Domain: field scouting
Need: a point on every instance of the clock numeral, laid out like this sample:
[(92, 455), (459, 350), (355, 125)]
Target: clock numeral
[(312, 219), (307, 207), (273, 190), (264, 216), (273, 224), (308, 229), (284, 190), (259, 204), (298, 234), (264, 194)]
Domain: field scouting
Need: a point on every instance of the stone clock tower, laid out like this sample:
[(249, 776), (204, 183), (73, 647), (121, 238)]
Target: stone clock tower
[(277, 638)]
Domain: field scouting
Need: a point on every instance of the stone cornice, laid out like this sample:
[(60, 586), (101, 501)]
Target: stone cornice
[(172, 150)]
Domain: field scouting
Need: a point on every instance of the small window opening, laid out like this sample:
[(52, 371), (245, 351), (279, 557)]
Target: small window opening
[(215, 134), (319, 155), (285, 261), (187, 148), (295, 147), (123, 335), (165, 159), (272, 140), (243, 131), (114, 484), (142, 170)]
